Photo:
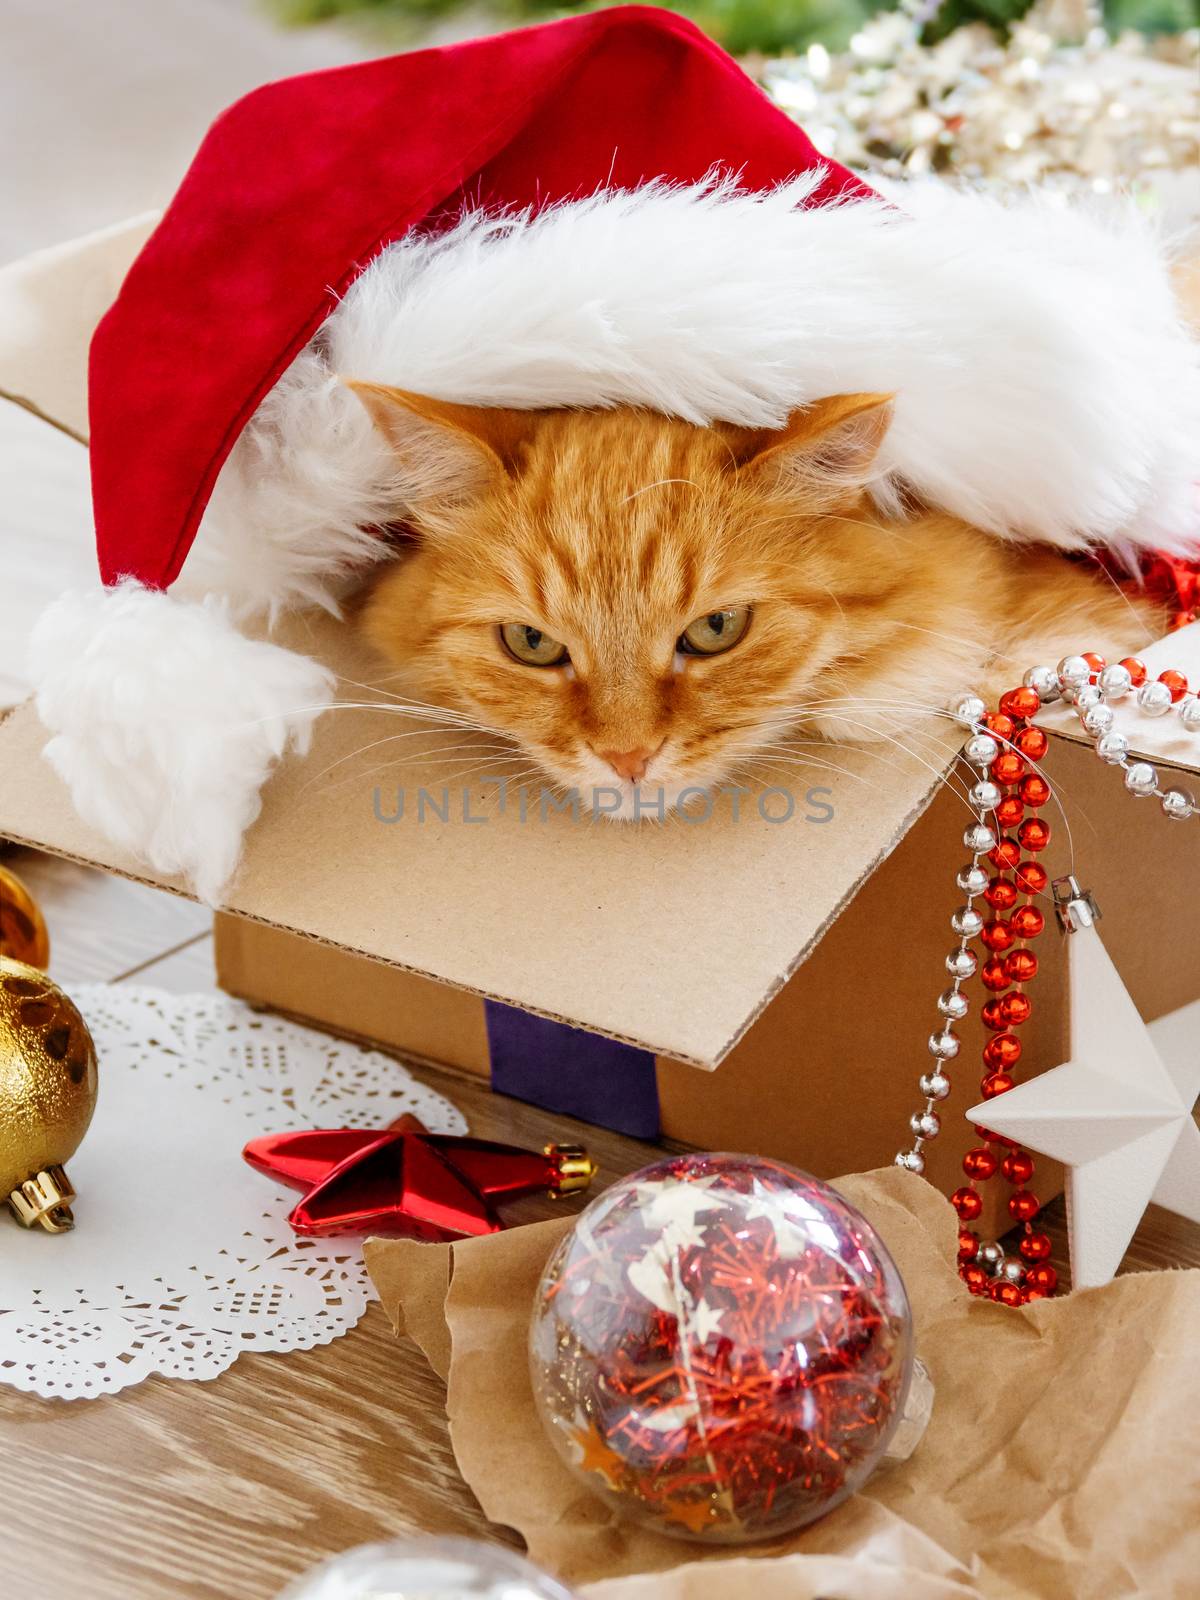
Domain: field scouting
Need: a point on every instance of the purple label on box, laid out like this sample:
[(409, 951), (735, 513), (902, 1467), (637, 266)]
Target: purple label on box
[(570, 1070)]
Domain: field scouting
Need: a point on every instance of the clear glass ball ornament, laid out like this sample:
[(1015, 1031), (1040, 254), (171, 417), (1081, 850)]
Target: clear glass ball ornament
[(721, 1347), (427, 1569)]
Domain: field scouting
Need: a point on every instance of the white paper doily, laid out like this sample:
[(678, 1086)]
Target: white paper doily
[(181, 1257)]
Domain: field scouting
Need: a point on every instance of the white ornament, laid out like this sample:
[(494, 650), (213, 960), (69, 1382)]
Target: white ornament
[(792, 1236), (704, 1323), (1116, 1115), (664, 1420), (674, 1207), (651, 1276)]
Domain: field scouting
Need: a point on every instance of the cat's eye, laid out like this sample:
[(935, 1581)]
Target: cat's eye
[(531, 646), (714, 632)]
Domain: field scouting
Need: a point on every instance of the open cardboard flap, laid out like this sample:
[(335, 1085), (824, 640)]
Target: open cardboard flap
[(672, 937), (668, 936)]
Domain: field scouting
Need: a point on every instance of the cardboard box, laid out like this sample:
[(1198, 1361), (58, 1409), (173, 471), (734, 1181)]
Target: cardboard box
[(781, 974)]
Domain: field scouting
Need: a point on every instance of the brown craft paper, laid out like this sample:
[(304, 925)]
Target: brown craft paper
[(885, 1559), (1060, 1463)]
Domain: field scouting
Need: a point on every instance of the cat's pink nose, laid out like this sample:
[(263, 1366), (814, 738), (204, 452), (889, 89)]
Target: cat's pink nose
[(630, 764)]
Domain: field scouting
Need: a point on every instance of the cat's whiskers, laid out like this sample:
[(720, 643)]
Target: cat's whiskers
[(989, 653), (799, 714), (790, 716), (1058, 794), (415, 714), (659, 483), (415, 733), (788, 724), (945, 776), (896, 530), (449, 767), (761, 773), (867, 751), (783, 756), (434, 711), (1127, 602)]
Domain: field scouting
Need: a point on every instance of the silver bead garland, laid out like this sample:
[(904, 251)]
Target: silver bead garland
[(980, 751), (1092, 703)]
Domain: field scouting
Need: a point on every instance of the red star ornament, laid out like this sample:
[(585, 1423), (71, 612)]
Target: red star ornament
[(405, 1180)]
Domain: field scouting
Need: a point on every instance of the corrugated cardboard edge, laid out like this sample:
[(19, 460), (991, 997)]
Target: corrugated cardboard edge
[(903, 828)]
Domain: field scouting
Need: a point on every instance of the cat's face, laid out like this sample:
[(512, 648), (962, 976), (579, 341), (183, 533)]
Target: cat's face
[(629, 597)]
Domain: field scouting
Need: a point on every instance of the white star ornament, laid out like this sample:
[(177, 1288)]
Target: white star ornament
[(1116, 1115)]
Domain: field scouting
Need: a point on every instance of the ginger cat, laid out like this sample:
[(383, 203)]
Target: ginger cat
[(634, 600)]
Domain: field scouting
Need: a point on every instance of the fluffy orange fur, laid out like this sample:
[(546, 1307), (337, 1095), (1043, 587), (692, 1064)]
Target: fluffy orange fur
[(612, 531)]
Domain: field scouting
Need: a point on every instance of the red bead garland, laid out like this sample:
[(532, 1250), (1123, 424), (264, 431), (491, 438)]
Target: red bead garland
[(1176, 683), (1010, 966)]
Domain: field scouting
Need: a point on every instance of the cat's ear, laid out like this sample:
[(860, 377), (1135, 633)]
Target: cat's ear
[(446, 452), (823, 453)]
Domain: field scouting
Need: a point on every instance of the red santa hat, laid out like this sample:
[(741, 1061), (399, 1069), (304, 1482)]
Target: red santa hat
[(594, 212)]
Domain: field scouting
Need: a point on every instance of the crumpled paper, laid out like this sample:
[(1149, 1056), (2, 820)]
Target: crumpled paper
[(1060, 1461)]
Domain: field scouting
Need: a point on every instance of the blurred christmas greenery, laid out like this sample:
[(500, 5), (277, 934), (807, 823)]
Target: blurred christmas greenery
[(770, 26)]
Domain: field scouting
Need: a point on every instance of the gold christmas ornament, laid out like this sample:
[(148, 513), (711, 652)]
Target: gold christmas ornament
[(23, 934), (47, 1094)]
